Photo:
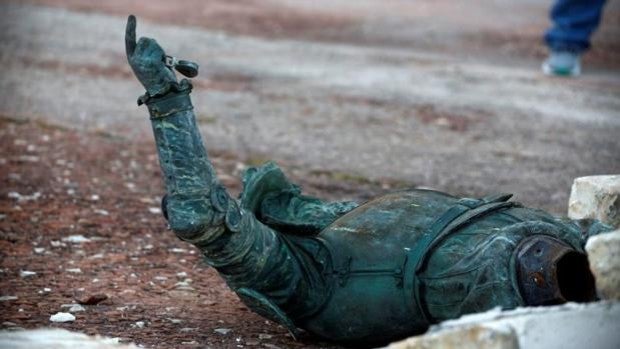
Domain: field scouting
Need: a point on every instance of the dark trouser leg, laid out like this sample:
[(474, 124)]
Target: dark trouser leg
[(574, 21)]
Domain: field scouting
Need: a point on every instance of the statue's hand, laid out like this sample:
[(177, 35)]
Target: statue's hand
[(146, 59)]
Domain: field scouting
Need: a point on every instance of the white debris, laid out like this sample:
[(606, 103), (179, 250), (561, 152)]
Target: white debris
[(264, 336), (39, 250), (589, 325), (604, 257), (222, 331), (94, 197), (182, 274), (21, 198), (178, 250), (138, 324), (56, 243), (28, 158), (62, 317), (76, 239), (175, 321), (76, 308), (101, 212), (8, 298), (26, 273), (155, 210), (57, 339), (596, 197), (148, 247), (74, 270), (161, 278)]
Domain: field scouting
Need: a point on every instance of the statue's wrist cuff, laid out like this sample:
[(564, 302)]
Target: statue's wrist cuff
[(172, 99)]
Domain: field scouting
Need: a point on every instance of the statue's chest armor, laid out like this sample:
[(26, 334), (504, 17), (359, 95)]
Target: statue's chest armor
[(376, 238), (371, 270)]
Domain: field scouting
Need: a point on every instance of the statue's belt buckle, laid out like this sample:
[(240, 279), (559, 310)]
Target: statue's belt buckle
[(170, 61)]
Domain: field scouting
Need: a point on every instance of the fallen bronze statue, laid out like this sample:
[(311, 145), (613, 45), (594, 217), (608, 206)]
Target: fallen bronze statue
[(371, 273)]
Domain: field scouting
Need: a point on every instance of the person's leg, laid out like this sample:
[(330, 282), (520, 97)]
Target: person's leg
[(574, 21)]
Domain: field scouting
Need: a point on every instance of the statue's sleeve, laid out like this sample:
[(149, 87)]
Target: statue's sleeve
[(250, 256)]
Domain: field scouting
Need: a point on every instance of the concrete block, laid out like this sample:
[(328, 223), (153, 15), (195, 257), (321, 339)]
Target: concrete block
[(596, 197), (590, 325), (604, 257), (466, 337)]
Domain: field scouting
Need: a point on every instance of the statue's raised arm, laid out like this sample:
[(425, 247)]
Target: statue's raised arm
[(271, 274), (371, 273)]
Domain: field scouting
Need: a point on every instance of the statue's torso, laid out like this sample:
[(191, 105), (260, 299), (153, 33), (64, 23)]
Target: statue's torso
[(374, 252)]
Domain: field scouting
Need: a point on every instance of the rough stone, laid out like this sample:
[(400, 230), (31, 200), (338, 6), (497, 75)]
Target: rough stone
[(592, 325), (57, 339), (596, 197), (467, 337), (604, 257)]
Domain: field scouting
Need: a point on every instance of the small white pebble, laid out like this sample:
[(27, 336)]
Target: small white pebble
[(26, 273), (101, 212), (56, 243), (94, 197), (182, 274), (62, 317), (76, 239), (178, 250), (39, 250), (76, 308), (155, 210), (138, 324), (223, 331), (74, 270)]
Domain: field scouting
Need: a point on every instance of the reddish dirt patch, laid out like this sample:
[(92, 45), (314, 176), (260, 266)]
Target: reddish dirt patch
[(107, 189), (247, 17)]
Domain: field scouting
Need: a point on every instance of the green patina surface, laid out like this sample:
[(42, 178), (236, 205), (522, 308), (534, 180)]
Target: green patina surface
[(374, 272)]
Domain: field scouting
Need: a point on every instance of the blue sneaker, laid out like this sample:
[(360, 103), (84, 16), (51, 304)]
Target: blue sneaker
[(562, 63)]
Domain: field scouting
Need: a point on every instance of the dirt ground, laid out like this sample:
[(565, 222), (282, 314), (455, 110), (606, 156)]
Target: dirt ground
[(57, 184), (351, 98)]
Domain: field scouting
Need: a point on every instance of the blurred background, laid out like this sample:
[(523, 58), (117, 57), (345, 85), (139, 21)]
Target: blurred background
[(351, 98)]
